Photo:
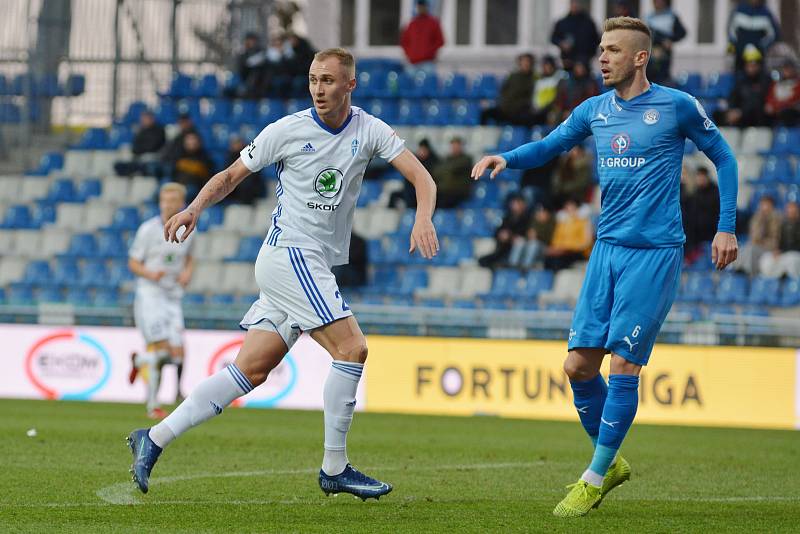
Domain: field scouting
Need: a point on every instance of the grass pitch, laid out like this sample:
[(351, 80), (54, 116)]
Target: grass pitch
[(255, 471)]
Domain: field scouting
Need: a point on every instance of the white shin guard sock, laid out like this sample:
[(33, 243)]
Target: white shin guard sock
[(339, 399), (153, 380), (207, 400)]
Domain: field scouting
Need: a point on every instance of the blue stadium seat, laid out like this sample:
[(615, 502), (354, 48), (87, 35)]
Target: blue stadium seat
[(43, 213), (496, 302), (63, 190), (119, 135), (437, 113), (455, 250), (764, 291), (231, 83), (79, 296), (20, 295), (424, 85), (785, 141), (180, 86), (194, 299), (777, 169), (75, 85), (410, 112), (166, 112), (382, 277), (413, 278), (370, 192), (218, 111), (446, 222), (475, 223), (732, 288), (220, 137), (371, 84), (243, 112), (51, 161), (790, 292), (431, 303), (134, 113), (464, 304), (126, 218), (506, 283), (485, 86), (38, 273), (150, 210), (718, 85), (66, 271), (118, 273), (269, 111), (698, 287), (190, 107), (690, 82), (18, 216), (91, 187), (206, 86), (538, 281), (248, 249), (393, 86), (454, 85), (94, 273), (82, 246), (222, 299), (465, 113), (106, 296), (48, 86), (293, 105), (93, 139), (385, 109), (210, 217), (485, 194), (395, 252), (51, 294)]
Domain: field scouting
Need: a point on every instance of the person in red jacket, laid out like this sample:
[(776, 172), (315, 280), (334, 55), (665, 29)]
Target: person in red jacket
[(422, 38), (783, 99)]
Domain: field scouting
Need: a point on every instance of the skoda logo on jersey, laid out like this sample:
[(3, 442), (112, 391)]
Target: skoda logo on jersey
[(329, 182), (354, 147), (620, 143), (650, 116)]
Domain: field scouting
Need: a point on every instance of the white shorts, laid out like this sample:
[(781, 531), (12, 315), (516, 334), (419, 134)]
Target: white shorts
[(159, 318), (298, 293)]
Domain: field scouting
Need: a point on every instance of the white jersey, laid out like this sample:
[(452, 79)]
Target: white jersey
[(319, 176), (150, 248)]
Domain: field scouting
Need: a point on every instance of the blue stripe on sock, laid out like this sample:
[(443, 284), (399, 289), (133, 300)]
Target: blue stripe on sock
[(322, 300), (237, 380), (303, 285), (349, 370), (243, 377)]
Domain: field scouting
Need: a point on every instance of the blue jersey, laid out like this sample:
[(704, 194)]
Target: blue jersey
[(640, 144)]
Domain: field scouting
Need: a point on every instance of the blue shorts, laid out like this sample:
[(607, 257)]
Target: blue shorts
[(625, 298)]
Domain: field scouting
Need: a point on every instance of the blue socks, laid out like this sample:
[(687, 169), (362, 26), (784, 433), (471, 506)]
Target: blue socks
[(617, 417), (590, 397)]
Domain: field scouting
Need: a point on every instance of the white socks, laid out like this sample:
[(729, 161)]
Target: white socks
[(339, 399), (154, 361), (592, 478), (207, 400)]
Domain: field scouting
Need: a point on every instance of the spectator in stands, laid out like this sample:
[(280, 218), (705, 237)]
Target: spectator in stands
[(573, 177), (785, 260), (250, 65), (299, 55), (764, 233), (700, 210), (453, 185), (193, 167), (516, 92), (354, 273), (751, 23), (513, 227), (576, 36), (783, 99), (528, 250), (407, 197), (545, 90), (147, 142), (574, 89), (253, 188), (422, 39), (276, 79), (621, 8), (572, 238), (667, 29), (175, 145), (750, 90)]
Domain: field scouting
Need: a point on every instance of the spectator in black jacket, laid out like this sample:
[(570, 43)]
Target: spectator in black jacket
[(250, 65), (700, 211), (407, 197), (147, 142), (516, 94), (192, 166), (253, 187), (667, 29), (513, 227), (749, 95), (751, 23), (354, 273), (576, 36)]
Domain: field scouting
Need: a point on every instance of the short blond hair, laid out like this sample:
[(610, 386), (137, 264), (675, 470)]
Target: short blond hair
[(627, 23), (344, 56), (173, 187)]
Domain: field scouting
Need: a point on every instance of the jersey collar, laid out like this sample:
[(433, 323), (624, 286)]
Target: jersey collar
[(328, 128), (619, 103)]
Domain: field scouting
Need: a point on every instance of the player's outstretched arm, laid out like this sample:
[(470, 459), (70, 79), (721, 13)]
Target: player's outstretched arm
[(423, 234), (218, 187)]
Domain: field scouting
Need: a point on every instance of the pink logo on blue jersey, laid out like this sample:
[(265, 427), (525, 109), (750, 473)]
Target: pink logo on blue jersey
[(620, 143)]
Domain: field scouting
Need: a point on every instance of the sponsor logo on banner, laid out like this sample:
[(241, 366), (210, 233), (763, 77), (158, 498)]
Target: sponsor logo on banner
[(68, 365), (280, 383)]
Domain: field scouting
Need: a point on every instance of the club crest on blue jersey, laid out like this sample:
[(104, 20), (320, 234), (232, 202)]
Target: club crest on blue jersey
[(620, 143), (354, 147), (650, 116)]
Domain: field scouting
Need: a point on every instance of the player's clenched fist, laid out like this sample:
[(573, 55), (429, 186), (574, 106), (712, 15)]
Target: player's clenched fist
[(488, 162), (184, 218)]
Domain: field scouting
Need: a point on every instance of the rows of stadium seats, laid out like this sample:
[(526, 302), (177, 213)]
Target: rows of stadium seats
[(45, 86)]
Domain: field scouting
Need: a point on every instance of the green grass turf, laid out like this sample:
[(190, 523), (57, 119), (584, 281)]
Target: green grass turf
[(255, 471)]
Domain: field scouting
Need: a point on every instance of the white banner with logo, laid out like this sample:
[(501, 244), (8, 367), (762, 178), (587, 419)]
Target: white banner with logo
[(93, 363)]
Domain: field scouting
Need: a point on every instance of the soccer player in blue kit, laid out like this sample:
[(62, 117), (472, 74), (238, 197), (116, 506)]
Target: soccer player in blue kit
[(634, 271)]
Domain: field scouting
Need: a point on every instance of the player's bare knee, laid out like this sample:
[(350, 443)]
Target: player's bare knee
[(577, 370), (354, 349)]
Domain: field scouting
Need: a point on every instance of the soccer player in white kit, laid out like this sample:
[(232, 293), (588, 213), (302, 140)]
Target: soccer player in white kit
[(321, 155), (162, 269)]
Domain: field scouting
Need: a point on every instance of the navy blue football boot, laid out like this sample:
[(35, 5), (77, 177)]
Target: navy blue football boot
[(353, 481), (145, 455)]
